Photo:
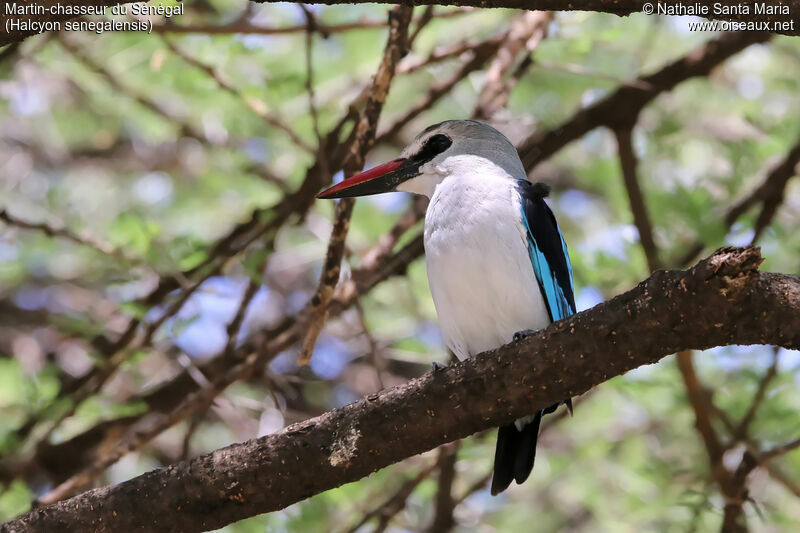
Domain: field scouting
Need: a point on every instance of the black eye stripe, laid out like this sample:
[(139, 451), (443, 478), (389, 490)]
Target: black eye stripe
[(434, 146)]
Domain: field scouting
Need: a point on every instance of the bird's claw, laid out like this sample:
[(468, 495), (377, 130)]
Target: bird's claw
[(518, 336), (435, 367)]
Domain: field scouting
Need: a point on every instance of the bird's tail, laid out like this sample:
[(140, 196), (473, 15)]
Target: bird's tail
[(516, 450)]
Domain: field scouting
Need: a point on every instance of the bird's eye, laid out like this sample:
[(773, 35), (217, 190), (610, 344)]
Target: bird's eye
[(438, 143), (435, 145)]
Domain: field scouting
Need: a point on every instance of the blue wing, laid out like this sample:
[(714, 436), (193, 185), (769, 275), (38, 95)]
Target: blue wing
[(516, 442), (547, 250)]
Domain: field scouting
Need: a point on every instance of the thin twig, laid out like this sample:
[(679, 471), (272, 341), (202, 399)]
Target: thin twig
[(777, 451), (741, 431), (421, 22), (769, 194), (400, 18), (374, 355), (64, 233), (627, 101), (441, 53), (396, 502), (256, 105), (152, 105), (736, 495), (476, 58), (330, 276), (151, 425), (444, 505), (526, 32), (698, 399), (244, 26), (312, 25), (641, 219)]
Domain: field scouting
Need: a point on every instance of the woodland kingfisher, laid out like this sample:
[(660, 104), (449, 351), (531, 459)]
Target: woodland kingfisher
[(497, 262)]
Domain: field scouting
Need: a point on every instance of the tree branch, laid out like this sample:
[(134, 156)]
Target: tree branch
[(769, 194), (698, 399), (736, 494), (617, 7), (665, 313), (443, 520), (257, 106), (396, 502), (623, 105), (64, 233), (66, 458), (246, 26), (525, 34), (627, 159), (399, 20), (742, 430), (474, 60)]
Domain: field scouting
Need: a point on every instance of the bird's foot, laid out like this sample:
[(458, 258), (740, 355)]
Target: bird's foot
[(436, 367), (518, 336)]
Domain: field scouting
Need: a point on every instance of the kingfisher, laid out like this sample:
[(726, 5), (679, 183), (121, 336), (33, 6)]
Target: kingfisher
[(498, 265)]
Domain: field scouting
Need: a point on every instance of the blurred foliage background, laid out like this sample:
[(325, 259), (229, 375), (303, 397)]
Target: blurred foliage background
[(124, 157)]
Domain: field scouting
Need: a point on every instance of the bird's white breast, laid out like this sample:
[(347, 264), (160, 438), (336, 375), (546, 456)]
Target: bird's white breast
[(481, 277)]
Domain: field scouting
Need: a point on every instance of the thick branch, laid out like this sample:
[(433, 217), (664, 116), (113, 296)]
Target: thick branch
[(616, 7), (668, 312)]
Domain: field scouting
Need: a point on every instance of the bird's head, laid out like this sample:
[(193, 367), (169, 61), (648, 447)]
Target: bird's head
[(450, 148)]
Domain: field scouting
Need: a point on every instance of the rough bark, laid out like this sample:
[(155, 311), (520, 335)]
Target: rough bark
[(722, 300), (616, 7)]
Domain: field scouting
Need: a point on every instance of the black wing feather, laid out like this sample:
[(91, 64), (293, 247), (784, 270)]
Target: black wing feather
[(544, 230), (516, 450)]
